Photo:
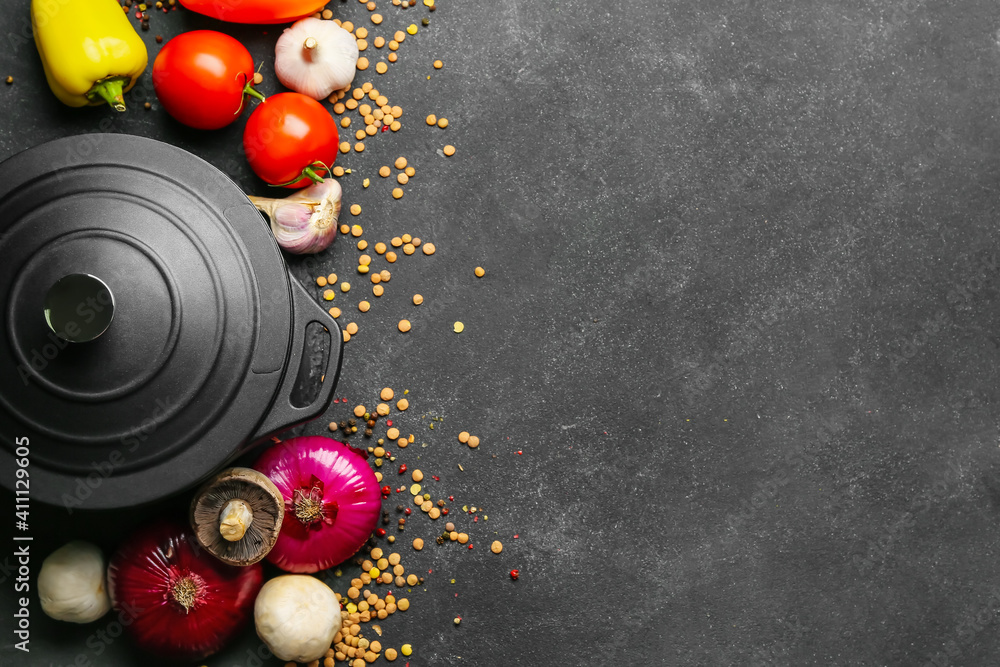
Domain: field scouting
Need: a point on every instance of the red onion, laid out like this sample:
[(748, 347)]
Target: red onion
[(332, 502), (182, 601)]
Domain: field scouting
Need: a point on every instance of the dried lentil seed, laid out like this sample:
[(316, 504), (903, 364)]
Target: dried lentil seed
[(362, 65), (404, 325), (335, 312), (402, 404), (382, 409), (348, 26), (432, 119), (376, 18), (378, 290), (408, 249), (329, 294), (338, 171), (402, 179), (362, 44), (397, 193), (459, 327), (463, 437), (364, 306), (480, 272), (351, 104), (386, 394), (345, 147), (463, 538), (429, 248), (359, 147), (395, 126), (496, 547), (321, 281), (410, 171), (355, 210), (473, 441), (402, 443)]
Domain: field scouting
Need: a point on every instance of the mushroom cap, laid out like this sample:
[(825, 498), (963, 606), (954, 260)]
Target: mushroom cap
[(265, 501)]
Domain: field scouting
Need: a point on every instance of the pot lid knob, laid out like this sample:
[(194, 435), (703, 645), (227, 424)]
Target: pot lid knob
[(79, 307)]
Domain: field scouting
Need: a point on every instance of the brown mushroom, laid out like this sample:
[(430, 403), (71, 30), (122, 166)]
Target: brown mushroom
[(237, 515)]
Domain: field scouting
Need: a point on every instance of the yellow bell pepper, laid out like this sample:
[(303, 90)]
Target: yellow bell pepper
[(90, 52)]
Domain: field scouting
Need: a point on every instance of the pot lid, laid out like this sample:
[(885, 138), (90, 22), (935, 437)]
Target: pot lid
[(147, 316)]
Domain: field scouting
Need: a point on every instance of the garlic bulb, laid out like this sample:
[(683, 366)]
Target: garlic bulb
[(306, 221), (297, 616), (72, 585), (315, 57)]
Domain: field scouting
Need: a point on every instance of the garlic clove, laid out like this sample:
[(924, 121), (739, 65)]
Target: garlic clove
[(305, 222), (72, 584)]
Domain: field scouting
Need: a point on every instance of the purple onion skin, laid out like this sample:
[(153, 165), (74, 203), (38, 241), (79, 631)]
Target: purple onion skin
[(332, 502)]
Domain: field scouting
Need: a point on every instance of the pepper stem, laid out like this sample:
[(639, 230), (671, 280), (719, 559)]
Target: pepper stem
[(109, 90)]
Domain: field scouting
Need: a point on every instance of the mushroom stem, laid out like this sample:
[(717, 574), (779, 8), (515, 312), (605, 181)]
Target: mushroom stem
[(311, 43), (234, 520)]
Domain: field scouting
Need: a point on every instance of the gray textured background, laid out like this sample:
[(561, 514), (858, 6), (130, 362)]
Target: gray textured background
[(740, 317)]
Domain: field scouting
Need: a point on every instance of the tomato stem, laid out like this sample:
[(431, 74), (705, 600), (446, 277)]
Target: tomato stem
[(251, 91), (316, 178)]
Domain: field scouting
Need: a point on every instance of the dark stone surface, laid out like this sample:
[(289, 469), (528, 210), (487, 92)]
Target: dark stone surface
[(739, 316)]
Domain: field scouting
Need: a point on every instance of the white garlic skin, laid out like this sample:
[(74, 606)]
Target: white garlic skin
[(297, 616), (305, 222), (318, 71), (72, 583)]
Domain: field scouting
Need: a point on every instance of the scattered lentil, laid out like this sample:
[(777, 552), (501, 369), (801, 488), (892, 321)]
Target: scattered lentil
[(402, 404), (345, 287), (321, 281), (329, 294), (335, 313), (381, 68), (480, 272), (364, 306), (378, 290), (397, 193), (417, 299), (438, 64), (432, 119), (473, 441), (403, 179), (355, 210), (496, 547), (418, 544), (459, 327), (362, 65), (338, 171), (429, 248), (376, 18), (449, 150), (404, 325), (463, 437)]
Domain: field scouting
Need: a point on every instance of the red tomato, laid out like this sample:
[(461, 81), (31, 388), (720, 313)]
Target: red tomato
[(288, 137), (201, 78)]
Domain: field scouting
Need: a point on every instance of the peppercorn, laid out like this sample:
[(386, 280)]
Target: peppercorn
[(352, 422), (385, 521), (440, 503), (371, 423), (514, 574), (10, 80), (386, 490), (420, 580), (402, 469), (381, 532), (354, 429), (444, 511), (159, 39), (426, 22), (408, 511), (439, 540), (399, 508), (368, 433)]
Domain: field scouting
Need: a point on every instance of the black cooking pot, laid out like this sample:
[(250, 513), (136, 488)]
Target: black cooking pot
[(151, 330)]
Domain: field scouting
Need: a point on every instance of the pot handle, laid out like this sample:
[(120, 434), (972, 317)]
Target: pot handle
[(283, 414)]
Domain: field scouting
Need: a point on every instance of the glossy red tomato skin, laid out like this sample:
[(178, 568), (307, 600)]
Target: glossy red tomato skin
[(288, 133), (199, 77)]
